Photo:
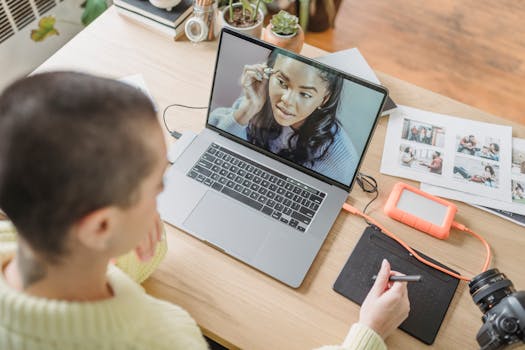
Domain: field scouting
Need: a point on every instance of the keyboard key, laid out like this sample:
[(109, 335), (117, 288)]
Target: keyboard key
[(246, 183), (242, 165), (305, 202), (270, 203), (308, 212), (192, 174), (276, 215), (216, 186), (208, 157), (296, 206), (246, 191), (273, 187), (265, 183), (230, 184), (279, 199), (205, 163), (254, 204), (226, 165), (288, 186), (211, 151), (267, 210), (273, 179), (234, 168), (281, 190), (287, 211), (314, 206), (322, 195), (315, 198), (254, 195), (238, 188), (249, 176), (241, 172), (262, 199), (215, 177), (235, 161), (202, 170), (257, 180), (249, 167), (301, 218), (219, 161), (293, 222), (254, 187), (223, 180), (305, 194), (220, 154), (215, 168), (257, 171), (270, 194), (223, 172), (297, 198), (231, 176), (279, 207), (283, 220), (287, 202), (263, 190), (300, 228), (239, 179), (280, 182), (200, 178), (288, 194), (208, 182), (297, 190), (265, 175)]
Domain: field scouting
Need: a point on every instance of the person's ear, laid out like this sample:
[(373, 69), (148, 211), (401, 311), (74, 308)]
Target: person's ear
[(325, 99), (95, 229)]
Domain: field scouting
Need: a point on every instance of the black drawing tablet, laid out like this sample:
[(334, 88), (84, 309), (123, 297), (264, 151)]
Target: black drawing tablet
[(429, 299)]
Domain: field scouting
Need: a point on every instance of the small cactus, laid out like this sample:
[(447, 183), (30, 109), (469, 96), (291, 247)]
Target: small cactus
[(284, 23)]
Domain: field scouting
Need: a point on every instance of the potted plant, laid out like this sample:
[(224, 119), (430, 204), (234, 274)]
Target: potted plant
[(284, 31), (244, 16)]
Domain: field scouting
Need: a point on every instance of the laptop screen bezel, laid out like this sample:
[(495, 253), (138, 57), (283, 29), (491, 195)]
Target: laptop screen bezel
[(346, 76)]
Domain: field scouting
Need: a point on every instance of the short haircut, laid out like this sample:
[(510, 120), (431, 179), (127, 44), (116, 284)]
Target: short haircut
[(70, 144)]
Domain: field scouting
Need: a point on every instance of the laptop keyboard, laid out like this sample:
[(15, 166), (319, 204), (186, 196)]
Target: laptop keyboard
[(282, 198)]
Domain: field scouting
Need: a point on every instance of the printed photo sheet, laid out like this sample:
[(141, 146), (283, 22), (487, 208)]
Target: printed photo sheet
[(455, 153), (517, 182)]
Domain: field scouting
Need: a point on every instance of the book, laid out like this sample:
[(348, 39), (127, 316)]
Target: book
[(144, 8), (175, 32), (352, 61)]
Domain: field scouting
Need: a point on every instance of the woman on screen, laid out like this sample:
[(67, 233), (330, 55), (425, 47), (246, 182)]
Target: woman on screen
[(289, 108)]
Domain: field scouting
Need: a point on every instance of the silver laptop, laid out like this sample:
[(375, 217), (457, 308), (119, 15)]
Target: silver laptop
[(266, 179)]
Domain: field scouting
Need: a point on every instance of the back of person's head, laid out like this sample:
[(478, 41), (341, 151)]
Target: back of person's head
[(70, 144)]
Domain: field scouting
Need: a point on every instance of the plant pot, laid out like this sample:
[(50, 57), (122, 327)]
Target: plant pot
[(253, 30), (293, 42)]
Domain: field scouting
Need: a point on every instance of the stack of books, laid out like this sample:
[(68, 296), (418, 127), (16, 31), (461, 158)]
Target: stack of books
[(169, 22)]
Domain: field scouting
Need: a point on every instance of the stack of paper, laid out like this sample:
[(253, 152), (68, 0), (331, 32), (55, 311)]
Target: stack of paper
[(474, 162)]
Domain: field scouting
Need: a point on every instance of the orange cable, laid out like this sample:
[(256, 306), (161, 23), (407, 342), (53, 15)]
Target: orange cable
[(459, 226)]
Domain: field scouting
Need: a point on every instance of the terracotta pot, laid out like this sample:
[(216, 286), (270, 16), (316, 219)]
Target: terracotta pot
[(290, 42), (254, 31)]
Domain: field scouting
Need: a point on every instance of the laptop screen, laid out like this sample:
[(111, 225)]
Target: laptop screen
[(296, 109)]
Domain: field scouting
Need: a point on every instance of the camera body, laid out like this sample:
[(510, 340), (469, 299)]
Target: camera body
[(503, 310)]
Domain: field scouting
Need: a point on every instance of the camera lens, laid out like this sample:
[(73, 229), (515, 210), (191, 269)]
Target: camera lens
[(488, 288)]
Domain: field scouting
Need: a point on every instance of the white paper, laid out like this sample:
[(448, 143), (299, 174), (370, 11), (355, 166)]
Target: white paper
[(517, 193), (428, 147)]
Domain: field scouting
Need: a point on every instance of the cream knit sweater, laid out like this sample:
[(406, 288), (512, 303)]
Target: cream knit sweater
[(130, 320)]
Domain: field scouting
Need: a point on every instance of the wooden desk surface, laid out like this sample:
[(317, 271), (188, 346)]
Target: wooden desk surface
[(238, 305)]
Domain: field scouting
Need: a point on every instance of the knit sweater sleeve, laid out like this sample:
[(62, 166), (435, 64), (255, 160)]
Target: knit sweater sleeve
[(222, 118), (360, 337)]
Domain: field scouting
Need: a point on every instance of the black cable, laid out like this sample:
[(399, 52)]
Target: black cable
[(173, 133), (369, 185)]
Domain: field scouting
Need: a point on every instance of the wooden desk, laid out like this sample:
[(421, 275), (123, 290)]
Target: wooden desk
[(236, 304)]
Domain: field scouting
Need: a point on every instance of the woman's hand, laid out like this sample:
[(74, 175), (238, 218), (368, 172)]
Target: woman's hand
[(254, 82), (146, 248), (386, 306)]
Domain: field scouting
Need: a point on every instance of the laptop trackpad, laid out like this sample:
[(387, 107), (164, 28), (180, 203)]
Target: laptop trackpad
[(231, 226)]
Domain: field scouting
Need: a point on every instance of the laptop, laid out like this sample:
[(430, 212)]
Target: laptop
[(266, 178)]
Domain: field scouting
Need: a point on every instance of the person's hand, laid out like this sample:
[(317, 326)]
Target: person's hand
[(146, 248), (254, 83), (386, 306)]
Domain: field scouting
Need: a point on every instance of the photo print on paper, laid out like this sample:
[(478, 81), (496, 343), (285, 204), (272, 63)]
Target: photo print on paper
[(421, 132)]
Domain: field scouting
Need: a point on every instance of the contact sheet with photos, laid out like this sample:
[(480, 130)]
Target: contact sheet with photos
[(455, 153), (517, 188)]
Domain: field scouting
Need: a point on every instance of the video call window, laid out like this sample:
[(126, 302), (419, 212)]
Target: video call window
[(301, 112)]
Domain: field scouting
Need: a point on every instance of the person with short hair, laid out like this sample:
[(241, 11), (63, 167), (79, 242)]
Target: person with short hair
[(81, 163)]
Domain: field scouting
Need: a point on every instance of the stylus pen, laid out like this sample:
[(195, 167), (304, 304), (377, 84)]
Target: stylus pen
[(411, 278)]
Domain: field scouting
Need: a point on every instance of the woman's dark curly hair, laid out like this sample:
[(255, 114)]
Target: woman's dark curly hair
[(315, 136)]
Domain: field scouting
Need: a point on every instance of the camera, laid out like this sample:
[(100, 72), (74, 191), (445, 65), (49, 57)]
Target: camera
[(503, 310)]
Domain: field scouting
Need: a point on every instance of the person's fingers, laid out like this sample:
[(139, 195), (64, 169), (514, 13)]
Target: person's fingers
[(381, 281)]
